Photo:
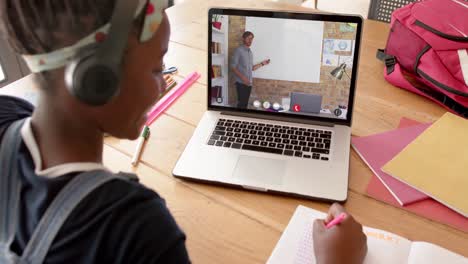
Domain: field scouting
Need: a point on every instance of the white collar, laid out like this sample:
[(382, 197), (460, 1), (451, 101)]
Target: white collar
[(59, 170)]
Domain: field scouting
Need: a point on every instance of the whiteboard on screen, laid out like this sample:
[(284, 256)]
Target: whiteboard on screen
[(294, 47)]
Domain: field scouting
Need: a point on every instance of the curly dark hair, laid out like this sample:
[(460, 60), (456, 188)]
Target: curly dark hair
[(40, 26)]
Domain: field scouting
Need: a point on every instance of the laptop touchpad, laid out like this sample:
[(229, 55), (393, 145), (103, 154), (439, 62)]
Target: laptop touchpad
[(261, 171)]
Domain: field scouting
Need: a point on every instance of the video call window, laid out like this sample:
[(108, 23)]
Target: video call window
[(299, 67)]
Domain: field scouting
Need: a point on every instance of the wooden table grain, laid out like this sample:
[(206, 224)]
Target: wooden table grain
[(235, 226)]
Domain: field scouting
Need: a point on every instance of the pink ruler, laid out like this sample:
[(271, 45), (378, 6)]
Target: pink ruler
[(171, 97)]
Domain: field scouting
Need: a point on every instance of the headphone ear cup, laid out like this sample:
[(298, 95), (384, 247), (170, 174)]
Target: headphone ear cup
[(92, 82)]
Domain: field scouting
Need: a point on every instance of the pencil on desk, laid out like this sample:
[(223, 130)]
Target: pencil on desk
[(169, 81), (143, 137), (171, 96), (169, 86)]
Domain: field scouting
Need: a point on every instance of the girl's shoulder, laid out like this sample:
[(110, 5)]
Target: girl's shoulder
[(11, 110)]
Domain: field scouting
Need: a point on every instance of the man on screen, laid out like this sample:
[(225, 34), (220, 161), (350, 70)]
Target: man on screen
[(242, 66)]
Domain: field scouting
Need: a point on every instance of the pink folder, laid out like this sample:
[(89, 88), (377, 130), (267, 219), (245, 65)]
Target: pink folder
[(377, 150), (428, 208), (406, 122)]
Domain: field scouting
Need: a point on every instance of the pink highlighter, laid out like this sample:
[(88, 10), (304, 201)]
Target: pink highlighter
[(336, 220)]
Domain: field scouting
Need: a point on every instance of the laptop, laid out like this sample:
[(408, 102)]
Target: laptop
[(250, 140), (306, 103)]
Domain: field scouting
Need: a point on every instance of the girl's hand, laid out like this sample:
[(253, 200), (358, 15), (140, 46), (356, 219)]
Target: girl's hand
[(342, 243)]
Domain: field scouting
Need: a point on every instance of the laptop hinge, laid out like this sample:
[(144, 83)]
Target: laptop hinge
[(251, 188), (280, 118)]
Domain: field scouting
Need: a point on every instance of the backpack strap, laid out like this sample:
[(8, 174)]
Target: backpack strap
[(389, 60), (54, 217), (9, 189), (129, 176), (397, 78), (62, 206)]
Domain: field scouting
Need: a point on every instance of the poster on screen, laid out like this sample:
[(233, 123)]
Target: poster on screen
[(330, 60), (330, 46)]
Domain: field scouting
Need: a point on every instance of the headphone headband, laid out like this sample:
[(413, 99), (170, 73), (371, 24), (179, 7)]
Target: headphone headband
[(94, 71), (112, 50), (59, 58)]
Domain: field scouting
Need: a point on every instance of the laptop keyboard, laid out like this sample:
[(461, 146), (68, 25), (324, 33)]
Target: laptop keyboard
[(276, 139)]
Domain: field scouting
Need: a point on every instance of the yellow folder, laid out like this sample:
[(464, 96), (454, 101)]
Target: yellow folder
[(436, 163)]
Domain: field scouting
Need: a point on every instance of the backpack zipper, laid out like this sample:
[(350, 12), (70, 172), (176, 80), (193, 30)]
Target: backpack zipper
[(440, 34), (441, 85)]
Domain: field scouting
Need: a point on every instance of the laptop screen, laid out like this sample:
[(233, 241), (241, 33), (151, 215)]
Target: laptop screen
[(292, 65)]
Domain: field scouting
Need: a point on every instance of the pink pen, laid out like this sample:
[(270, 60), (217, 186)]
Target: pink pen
[(336, 220), (171, 97)]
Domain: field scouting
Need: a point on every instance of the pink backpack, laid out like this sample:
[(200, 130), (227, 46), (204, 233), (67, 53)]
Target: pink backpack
[(426, 52)]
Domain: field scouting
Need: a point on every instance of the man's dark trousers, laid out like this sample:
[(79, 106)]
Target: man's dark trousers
[(243, 94)]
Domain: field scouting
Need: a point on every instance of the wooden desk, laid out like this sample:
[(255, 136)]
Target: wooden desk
[(234, 226)]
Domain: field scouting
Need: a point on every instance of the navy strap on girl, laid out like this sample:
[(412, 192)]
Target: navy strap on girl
[(54, 217)]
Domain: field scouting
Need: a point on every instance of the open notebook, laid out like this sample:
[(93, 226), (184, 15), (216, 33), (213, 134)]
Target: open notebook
[(296, 245)]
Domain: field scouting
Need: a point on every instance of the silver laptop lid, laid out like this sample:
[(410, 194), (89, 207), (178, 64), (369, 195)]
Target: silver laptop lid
[(283, 65)]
